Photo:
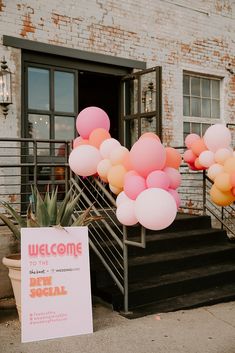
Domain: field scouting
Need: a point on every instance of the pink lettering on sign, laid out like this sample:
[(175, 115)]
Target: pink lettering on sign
[(69, 249)]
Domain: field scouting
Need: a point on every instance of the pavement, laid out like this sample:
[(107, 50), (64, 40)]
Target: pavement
[(203, 330)]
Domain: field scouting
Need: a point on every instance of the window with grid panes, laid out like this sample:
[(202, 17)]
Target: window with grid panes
[(201, 103)]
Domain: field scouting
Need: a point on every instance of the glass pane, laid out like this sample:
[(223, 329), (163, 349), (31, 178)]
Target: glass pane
[(196, 106), (206, 108), (64, 130), (215, 109), (39, 128), (196, 128), (148, 125), (186, 106), (186, 129), (64, 91), (148, 92), (186, 84), (131, 97), (206, 92), (195, 86), (38, 88), (131, 132), (205, 127), (215, 89)]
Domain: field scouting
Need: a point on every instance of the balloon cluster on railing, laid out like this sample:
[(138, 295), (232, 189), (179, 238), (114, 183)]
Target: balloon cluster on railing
[(145, 178), (214, 154)]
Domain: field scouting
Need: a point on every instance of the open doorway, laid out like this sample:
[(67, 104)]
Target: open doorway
[(102, 91)]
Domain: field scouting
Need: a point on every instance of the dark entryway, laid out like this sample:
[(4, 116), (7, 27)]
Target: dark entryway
[(102, 91)]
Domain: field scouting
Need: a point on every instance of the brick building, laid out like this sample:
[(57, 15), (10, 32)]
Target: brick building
[(80, 50)]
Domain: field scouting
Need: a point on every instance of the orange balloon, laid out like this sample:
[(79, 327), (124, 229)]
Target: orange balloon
[(232, 179), (221, 198), (126, 162), (222, 182), (116, 176), (198, 146), (114, 189), (173, 158), (97, 136), (229, 165)]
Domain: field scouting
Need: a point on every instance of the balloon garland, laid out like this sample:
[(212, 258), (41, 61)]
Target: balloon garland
[(145, 178)]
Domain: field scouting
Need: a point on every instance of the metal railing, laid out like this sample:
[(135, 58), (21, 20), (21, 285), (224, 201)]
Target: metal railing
[(24, 162)]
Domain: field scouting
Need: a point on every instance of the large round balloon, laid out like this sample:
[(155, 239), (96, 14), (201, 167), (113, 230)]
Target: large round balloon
[(91, 118), (217, 136), (147, 155), (83, 160), (155, 209), (126, 214)]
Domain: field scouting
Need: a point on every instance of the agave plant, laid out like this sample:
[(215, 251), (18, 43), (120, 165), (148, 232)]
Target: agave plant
[(47, 212)]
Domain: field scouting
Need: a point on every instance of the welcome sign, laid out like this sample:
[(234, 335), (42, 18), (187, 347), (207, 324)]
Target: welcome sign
[(55, 287)]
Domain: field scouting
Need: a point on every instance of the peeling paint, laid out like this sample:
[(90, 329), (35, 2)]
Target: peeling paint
[(27, 26), (2, 6)]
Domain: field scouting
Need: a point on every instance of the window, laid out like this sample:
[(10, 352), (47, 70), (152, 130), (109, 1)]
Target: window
[(201, 103)]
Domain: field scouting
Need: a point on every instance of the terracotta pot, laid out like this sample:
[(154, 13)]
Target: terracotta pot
[(13, 263)]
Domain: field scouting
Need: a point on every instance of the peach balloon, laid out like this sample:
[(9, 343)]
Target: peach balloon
[(232, 179), (222, 182), (189, 156), (151, 135), (97, 136), (116, 176), (118, 154), (103, 168), (222, 154), (115, 190), (229, 165), (173, 158), (79, 141), (198, 165), (221, 198), (214, 170), (198, 146), (190, 139), (107, 146), (126, 162)]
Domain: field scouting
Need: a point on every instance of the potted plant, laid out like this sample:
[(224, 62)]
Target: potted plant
[(41, 212)]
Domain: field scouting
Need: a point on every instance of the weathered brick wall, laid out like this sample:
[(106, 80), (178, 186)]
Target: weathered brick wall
[(178, 35)]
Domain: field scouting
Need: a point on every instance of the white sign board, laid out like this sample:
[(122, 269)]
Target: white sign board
[(55, 287)]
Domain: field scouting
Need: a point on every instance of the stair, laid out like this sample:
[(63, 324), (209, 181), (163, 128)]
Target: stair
[(189, 264)]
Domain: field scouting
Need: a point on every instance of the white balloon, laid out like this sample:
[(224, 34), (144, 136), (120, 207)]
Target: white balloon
[(126, 214), (206, 158), (122, 197), (107, 146), (217, 136), (83, 160), (155, 208)]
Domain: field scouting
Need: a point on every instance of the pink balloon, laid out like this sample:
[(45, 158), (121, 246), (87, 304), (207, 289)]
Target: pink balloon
[(91, 118), (83, 160), (147, 155), (175, 177), (108, 146), (122, 197), (176, 196), (78, 141), (190, 139), (134, 185), (150, 135), (217, 136), (158, 179), (126, 213), (155, 208), (189, 156)]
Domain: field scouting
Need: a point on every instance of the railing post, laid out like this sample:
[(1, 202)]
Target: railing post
[(126, 289), (204, 193), (35, 162)]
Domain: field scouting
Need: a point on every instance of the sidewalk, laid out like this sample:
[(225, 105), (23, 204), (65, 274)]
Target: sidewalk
[(203, 330)]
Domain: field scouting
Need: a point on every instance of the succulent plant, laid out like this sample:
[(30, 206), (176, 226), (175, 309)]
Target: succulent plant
[(47, 212)]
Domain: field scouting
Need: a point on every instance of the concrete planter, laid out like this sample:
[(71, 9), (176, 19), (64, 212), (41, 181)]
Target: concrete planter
[(13, 263)]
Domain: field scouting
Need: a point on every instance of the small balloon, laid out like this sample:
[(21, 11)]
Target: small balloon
[(83, 160), (173, 158), (190, 139), (126, 213), (97, 136), (108, 146)]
